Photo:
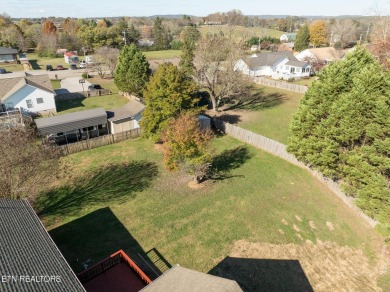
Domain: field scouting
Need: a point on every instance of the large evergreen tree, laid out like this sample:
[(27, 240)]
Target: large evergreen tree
[(161, 36), (303, 38), (169, 92), (342, 128), (132, 70)]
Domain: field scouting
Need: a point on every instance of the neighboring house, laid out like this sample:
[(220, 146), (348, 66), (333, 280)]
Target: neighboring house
[(8, 55), (179, 279), (30, 260), (145, 43), (288, 37), (29, 93), (73, 127), (125, 118), (327, 54), (278, 65), (71, 57)]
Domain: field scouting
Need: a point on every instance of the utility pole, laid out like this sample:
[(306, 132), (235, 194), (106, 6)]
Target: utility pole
[(259, 45), (124, 37)]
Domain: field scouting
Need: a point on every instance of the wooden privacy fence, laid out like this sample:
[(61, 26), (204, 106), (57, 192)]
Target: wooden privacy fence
[(280, 150), (99, 141), (280, 85)]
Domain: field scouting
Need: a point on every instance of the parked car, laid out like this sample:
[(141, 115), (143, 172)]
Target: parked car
[(94, 87), (60, 67), (49, 68), (83, 65), (73, 66), (3, 71)]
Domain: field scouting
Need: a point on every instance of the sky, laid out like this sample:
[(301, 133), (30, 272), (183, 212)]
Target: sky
[(100, 8)]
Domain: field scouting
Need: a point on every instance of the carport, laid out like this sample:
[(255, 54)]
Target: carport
[(74, 127)]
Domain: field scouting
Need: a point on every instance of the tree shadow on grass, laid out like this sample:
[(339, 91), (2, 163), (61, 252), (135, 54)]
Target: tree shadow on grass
[(257, 99), (63, 105), (110, 183), (227, 161), (230, 118)]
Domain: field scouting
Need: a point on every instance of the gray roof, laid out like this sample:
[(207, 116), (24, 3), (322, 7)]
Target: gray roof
[(269, 59), (8, 51), (72, 121), (179, 279), (26, 249), (9, 86), (130, 110), (297, 64)]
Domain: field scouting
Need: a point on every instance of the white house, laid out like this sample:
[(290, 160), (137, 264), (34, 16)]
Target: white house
[(288, 37), (29, 93), (327, 54), (278, 65)]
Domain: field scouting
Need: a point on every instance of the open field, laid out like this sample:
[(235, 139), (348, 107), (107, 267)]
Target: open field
[(120, 197), (166, 54), (240, 31)]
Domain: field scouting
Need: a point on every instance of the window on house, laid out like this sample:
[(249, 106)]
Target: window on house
[(39, 100), (29, 103), (9, 105), (286, 68), (292, 70)]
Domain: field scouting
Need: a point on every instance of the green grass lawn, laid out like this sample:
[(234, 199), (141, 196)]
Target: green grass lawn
[(120, 197), (240, 31), (11, 67), (41, 62), (166, 54), (56, 84), (107, 102), (273, 119)]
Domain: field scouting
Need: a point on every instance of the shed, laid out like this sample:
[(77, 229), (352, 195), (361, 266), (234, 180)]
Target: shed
[(125, 118), (204, 122), (78, 125), (30, 260), (8, 55)]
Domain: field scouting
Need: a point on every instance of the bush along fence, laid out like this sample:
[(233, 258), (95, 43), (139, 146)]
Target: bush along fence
[(280, 85), (98, 142), (280, 150)]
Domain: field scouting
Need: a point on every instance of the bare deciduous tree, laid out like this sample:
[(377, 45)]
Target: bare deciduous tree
[(343, 31), (214, 62), (106, 56), (27, 166)]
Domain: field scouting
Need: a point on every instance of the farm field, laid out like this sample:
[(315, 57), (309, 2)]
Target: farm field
[(120, 197), (240, 31)]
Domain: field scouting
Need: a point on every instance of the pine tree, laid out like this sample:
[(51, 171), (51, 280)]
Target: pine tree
[(160, 35), (169, 92), (132, 71), (342, 128), (303, 38)]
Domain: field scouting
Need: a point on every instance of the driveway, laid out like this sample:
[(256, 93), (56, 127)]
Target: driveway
[(72, 84)]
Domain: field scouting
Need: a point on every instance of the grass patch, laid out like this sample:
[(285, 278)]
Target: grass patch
[(12, 67), (56, 84), (165, 54), (97, 209), (240, 31), (272, 118), (38, 63), (80, 104)]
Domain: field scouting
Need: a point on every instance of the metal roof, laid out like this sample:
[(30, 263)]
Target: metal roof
[(72, 121), (179, 279), (27, 250), (129, 110), (7, 51)]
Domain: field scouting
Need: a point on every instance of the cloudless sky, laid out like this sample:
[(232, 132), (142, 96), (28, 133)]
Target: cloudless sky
[(99, 8)]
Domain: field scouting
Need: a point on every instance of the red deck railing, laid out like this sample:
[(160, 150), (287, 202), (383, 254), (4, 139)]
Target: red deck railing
[(109, 262)]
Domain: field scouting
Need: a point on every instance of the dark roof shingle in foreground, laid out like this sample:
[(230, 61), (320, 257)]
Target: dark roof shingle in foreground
[(29, 259)]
